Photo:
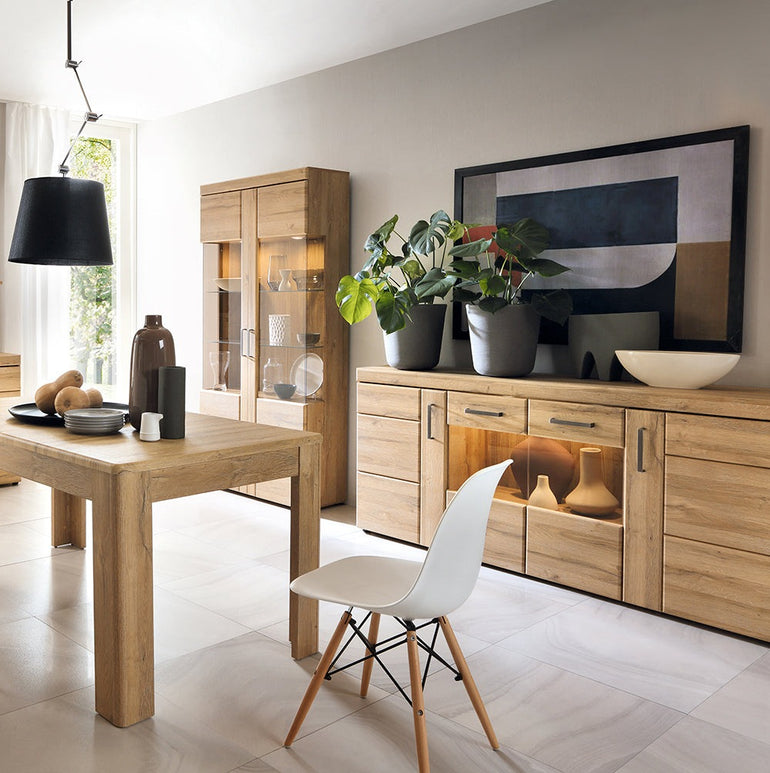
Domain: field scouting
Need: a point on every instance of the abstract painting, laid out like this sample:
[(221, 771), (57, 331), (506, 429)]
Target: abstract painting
[(657, 225)]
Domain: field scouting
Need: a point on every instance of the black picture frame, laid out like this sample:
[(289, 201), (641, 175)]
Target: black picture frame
[(619, 214)]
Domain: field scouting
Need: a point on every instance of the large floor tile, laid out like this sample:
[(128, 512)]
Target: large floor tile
[(19, 542), (564, 720), (37, 663), (251, 594), (45, 584), (24, 501), (76, 740), (380, 739), (177, 555), (742, 705), (693, 746), (672, 662), (248, 690)]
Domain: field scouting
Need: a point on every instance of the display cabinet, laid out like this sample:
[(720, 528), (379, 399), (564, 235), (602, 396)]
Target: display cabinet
[(690, 470), (275, 347), (10, 384)]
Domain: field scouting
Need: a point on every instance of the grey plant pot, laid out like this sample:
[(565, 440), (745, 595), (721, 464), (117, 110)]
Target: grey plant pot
[(593, 339), (417, 346), (504, 343)]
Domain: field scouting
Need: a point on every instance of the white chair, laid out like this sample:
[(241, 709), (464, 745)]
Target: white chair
[(409, 591)]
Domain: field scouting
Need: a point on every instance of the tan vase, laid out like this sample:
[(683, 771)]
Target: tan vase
[(542, 496), (591, 496), (541, 456)]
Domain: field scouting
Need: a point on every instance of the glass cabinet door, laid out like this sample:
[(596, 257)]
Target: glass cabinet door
[(222, 316), (291, 318)]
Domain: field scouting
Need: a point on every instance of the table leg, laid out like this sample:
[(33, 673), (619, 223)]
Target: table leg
[(304, 549), (68, 519), (123, 612)]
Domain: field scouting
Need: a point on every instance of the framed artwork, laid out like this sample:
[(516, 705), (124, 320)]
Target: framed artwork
[(657, 225)]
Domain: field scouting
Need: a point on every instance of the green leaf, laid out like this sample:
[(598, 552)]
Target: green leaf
[(466, 269), (525, 239), (412, 269), (375, 243), (470, 249), (354, 298), (435, 284), (463, 295), (543, 266), (492, 304), (456, 231), (392, 310), (493, 285), (426, 237), (555, 305)]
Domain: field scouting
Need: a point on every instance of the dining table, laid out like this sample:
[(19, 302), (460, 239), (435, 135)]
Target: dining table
[(122, 476)]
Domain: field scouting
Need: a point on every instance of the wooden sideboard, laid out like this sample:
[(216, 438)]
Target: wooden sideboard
[(690, 468), (10, 386)]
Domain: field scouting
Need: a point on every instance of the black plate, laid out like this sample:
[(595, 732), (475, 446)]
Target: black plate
[(29, 413)]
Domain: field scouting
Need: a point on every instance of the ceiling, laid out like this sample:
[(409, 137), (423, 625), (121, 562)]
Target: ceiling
[(143, 59)]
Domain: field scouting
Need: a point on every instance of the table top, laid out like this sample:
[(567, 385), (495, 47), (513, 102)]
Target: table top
[(206, 438)]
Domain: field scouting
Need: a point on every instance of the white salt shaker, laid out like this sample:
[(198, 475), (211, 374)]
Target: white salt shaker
[(149, 429)]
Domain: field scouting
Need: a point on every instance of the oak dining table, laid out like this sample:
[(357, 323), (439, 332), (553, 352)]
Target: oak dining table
[(123, 476)]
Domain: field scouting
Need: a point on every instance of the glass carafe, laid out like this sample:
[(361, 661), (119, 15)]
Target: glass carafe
[(272, 374)]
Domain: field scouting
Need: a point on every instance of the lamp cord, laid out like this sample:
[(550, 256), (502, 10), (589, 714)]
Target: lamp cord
[(90, 116)]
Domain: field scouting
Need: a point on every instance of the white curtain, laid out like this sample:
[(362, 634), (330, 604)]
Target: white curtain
[(34, 300)]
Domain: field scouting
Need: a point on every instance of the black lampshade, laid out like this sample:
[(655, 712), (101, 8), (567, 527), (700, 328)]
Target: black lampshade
[(62, 222)]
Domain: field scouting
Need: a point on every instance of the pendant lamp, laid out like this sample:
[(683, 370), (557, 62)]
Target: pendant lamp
[(63, 221)]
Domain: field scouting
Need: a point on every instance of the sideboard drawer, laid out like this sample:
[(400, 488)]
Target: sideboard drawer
[(599, 424), (723, 504), (492, 412), (717, 586), (585, 553), (388, 506), (742, 441), (389, 447), (395, 401)]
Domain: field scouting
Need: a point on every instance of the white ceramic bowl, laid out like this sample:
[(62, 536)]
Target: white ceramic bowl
[(680, 370)]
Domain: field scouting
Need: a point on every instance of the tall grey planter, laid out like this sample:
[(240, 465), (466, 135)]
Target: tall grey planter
[(417, 346), (504, 343)]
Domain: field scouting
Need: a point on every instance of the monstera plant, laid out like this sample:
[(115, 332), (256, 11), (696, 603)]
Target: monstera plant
[(395, 279)]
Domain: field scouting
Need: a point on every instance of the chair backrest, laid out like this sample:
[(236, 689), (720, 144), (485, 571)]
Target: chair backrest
[(453, 561)]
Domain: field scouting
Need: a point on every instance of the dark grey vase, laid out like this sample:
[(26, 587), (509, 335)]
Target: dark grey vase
[(417, 346), (593, 339), (504, 343)]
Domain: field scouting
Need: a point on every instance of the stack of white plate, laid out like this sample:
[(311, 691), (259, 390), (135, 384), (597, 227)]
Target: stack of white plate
[(94, 421)]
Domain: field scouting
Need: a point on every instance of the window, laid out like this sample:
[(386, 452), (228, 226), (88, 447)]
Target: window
[(102, 318)]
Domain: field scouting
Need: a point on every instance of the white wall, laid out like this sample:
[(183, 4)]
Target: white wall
[(568, 75)]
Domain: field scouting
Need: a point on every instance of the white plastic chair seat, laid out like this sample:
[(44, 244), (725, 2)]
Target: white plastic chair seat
[(374, 583)]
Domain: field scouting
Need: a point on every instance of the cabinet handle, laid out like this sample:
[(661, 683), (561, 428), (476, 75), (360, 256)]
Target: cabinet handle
[(567, 423), (478, 412), (244, 343), (430, 421), (640, 450)]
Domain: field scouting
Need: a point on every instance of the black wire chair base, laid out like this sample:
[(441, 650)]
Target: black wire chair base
[(385, 645)]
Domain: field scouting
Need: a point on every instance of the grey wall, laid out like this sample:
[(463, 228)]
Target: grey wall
[(567, 75)]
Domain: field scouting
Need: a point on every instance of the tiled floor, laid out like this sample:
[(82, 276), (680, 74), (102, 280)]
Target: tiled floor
[(571, 683)]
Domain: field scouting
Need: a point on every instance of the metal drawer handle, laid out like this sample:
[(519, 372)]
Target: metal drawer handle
[(567, 423), (478, 412), (640, 450), (430, 421)]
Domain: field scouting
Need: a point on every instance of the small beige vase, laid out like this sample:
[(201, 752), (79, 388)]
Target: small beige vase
[(591, 496), (542, 496)]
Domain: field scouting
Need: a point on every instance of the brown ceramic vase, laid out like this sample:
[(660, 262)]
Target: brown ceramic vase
[(153, 346), (541, 456)]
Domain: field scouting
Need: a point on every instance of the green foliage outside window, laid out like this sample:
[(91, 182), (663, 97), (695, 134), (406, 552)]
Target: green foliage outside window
[(92, 288)]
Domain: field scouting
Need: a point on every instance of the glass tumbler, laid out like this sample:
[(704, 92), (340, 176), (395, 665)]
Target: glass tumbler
[(220, 362)]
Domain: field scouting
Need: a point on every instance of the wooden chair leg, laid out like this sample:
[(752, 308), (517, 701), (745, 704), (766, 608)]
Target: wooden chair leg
[(318, 677), (418, 703), (374, 627), (470, 685)]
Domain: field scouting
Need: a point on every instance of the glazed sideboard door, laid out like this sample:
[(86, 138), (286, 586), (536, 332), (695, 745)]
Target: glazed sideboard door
[(643, 548)]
